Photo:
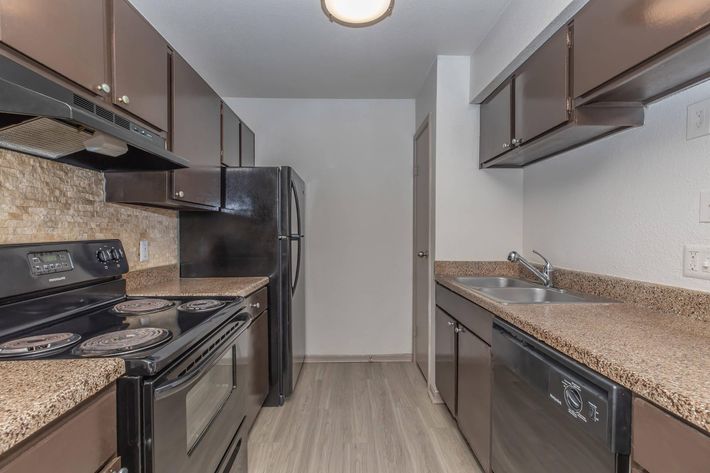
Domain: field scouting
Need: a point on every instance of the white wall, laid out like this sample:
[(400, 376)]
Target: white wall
[(625, 205), (520, 30), (356, 159), (479, 213)]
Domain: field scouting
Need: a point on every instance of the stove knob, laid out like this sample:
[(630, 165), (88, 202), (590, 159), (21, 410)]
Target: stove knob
[(102, 256), (573, 399), (113, 254)]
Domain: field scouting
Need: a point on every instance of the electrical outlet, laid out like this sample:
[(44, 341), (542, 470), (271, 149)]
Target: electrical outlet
[(698, 120), (144, 254), (705, 207), (696, 261)]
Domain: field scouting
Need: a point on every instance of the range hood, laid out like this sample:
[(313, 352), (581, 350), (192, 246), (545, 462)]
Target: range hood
[(43, 118)]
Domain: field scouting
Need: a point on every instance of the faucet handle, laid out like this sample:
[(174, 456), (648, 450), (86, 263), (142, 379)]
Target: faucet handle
[(548, 266)]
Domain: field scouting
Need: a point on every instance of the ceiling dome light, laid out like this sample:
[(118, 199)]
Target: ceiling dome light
[(357, 13)]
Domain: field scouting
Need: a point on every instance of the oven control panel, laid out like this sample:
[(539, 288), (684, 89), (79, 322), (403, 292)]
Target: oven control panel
[(50, 262)]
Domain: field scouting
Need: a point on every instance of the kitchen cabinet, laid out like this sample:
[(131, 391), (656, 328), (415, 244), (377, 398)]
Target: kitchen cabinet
[(248, 146), (82, 441), (67, 36), (257, 366), (662, 443), (231, 143), (140, 66), (474, 394), (196, 130), (612, 37), (542, 99), (446, 359), (464, 331), (497, 123)]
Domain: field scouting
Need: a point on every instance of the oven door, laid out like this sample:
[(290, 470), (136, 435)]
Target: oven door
[(193, 412)]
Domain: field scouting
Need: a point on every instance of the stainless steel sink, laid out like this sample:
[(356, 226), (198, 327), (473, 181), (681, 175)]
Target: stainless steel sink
[(494, 282), (537, 295)]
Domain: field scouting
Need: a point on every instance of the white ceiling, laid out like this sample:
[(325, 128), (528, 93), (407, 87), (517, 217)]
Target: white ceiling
[(289, 49)]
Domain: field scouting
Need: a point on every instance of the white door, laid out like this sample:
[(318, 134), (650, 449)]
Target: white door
[(422, 264)]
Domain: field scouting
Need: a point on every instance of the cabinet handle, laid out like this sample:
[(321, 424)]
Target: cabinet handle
[(124, 99), (180, 194), (104, 88)]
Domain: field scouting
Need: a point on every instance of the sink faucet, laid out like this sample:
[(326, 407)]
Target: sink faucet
[(545, 275)]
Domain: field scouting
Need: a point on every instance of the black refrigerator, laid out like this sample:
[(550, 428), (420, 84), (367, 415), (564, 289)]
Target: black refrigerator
[(258, 232)]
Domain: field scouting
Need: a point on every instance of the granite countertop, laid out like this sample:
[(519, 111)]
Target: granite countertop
[(37, 392), (660, 356), (166, 281)]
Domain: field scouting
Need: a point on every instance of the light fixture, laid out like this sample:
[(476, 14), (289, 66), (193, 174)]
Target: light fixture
[(357, 13)]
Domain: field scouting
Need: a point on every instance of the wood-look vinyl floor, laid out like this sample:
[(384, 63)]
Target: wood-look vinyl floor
[(359, 418)]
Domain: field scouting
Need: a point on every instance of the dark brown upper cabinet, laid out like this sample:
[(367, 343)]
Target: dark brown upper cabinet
[(248, 146), (230, 137), (497, 123), (140, 66), (633, 50), (67, 36), (196, 127), (542, 90)]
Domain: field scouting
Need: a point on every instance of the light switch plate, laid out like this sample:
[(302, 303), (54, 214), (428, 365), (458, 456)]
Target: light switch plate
[(144, 254), (705, 207), (698, 120), (696, 261)]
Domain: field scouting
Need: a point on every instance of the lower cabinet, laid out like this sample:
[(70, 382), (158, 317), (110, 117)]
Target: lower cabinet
[(662, 443), (474, 394), (446, 359), (463, 368), (256, 381)]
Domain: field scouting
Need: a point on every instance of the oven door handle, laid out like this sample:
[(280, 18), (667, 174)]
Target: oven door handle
[(186, 380)]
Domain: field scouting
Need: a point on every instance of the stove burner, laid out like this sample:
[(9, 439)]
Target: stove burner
[(202, 305), (123, 342), (38, 344), (142, 306)]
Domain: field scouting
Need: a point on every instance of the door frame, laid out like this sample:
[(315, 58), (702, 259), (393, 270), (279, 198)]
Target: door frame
[(426, 124)]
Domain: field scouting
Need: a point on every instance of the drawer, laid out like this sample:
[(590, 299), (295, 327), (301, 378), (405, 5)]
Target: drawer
[(663, 444), (475, 318), (81, 442)]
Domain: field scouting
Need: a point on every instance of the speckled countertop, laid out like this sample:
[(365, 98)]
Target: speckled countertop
[(166, 281), (660, 356), (37, 392)]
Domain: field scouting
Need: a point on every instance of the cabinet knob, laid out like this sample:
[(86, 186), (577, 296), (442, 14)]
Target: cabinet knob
[(458, 330), (256, 305), (451, 324), (516, 141), (105, 88), (506, 146), (124, 99), (180, 194)]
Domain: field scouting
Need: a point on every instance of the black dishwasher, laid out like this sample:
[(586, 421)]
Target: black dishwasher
[(553, 415)]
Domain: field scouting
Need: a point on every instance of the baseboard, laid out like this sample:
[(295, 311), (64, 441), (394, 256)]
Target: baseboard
[(389, 358), (434, 395)]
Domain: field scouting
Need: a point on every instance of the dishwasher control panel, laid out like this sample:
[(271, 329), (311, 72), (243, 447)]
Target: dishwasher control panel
[(582, 401)]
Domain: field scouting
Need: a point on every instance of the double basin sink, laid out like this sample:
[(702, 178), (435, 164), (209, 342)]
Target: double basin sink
[(517, 291)]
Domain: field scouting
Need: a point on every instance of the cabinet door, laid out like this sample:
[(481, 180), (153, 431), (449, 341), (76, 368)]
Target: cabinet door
[(496, 123), (474, 395), (230, 137), (140, 65), (202, 185), (67, 36), (445, 328), (612, 36), (196, 127), (248, 153), (541, 91)]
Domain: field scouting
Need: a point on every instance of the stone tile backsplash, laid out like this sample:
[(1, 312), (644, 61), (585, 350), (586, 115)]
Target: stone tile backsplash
[(41, 200)]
